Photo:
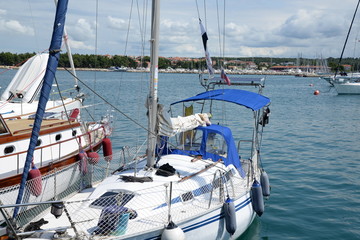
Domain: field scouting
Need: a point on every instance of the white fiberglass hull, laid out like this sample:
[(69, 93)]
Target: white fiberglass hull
[(212, 225), (199, 217), (347, 88)]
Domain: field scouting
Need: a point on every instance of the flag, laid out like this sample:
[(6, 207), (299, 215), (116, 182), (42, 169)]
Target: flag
[(207, 55), (224, 77)]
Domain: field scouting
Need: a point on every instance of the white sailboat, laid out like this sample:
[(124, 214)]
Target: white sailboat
[(190, 184), (344, 84), (347, 85)]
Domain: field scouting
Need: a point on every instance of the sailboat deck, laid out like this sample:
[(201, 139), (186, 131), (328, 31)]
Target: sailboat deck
[(21, 126), (151, 198)]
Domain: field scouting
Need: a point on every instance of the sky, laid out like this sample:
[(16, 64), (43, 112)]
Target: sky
[(240, 28)]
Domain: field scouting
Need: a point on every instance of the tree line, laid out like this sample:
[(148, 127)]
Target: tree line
[(80, 61), (105, 61)]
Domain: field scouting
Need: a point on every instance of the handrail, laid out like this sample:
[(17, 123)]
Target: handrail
[(201, 171), (212, 189), (48, 109), (10, 225), (240, 141)]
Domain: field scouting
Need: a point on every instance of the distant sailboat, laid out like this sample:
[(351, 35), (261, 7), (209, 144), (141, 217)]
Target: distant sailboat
[(344, 84)]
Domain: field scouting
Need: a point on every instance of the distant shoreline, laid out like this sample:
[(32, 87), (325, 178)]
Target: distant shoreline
[(244, 72)]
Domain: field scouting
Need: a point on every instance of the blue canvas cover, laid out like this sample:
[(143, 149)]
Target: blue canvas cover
[(232, 156), (245, 98)]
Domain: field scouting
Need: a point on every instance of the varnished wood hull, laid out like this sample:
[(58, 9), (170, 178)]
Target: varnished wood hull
[(16, 179)]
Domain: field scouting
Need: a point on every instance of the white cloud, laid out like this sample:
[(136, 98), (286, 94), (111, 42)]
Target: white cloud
[(186, 50), (178, 26), (253, 28), (82, 30), (309, 24), (80, 45), (236, 31), (15, 26), (117, 23)]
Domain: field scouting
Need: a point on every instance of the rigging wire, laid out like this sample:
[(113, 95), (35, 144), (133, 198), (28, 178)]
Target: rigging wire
[(357, 40), (224, 29), (96, 48), (219, 32), (125, 50), (205, 14), (197, 8), (142, 21), (128, 29), (65, 110), (107, 102), (121, 112), (221, 37), (347, 37), (205, 19), (33, 23), (198, 12)]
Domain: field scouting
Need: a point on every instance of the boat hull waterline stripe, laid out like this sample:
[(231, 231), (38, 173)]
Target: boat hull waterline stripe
[(215, 218), (210, 219)]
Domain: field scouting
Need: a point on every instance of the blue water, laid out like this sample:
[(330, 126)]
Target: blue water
[(310, 149)]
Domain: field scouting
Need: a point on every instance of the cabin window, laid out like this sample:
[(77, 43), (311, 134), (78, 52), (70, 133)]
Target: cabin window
[(58, 137), (9, 149), (191, 140), (38, 143), (216, 144), (112, 198), (74, 133)]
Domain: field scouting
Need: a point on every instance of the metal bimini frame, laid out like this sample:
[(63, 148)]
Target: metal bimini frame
[(209, 84)]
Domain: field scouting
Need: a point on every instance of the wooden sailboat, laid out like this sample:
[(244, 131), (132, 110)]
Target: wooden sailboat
[(44, 149)]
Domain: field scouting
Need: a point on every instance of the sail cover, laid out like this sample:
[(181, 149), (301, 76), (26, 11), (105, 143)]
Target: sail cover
[(27, 80), (168, 126), (247, 99)]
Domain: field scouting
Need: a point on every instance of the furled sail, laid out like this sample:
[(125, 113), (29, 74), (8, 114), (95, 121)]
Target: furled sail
[(168, 126)]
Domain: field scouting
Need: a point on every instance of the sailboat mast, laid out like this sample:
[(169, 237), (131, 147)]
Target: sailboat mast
[(68, 50), (153, 95)]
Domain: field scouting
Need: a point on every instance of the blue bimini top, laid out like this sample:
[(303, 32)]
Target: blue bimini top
[(244, 98)]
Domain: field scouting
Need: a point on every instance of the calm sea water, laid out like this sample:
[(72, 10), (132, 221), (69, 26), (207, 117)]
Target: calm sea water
[(311, 148)]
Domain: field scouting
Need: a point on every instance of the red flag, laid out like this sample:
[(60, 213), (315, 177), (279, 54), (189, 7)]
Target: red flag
[(225, 77)]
